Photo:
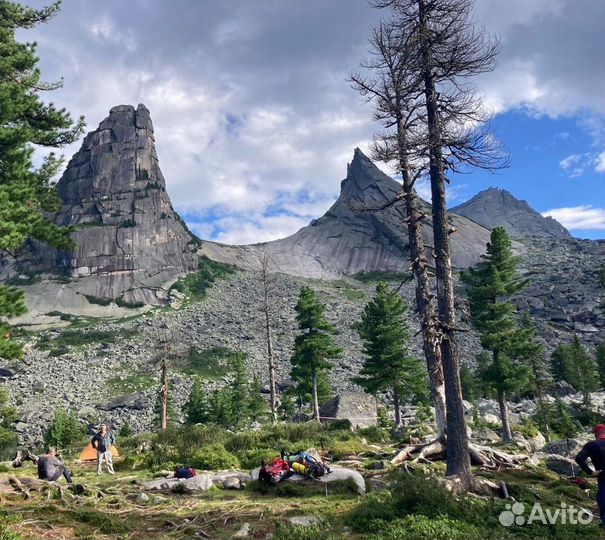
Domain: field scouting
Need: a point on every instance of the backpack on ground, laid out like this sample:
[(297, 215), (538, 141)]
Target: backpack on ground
[(275, 472), (184, 472)]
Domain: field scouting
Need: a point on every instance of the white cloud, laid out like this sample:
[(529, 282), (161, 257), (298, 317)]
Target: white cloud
[(252, 112), (569, 161), (599, 162), (584, 217)]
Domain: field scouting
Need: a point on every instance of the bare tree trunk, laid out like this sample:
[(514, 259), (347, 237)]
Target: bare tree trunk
[(397, 405), (429, 321), (315, 397), (507, 435), (164, 414), (458, 459), (269, 337)]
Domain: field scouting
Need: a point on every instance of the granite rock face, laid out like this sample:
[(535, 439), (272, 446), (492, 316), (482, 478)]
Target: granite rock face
[(129, 240), (349, 239), (499, 208)]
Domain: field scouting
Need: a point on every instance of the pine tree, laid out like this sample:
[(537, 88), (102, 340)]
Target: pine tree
[(490, 287), (581, 370), (8, 416), (240, 391), (65, 430), (559, 361), (313, 347), (257, 407), (469, 383), (26, 193), (600, 358), (197, 407), (535, 357), (389, 365)]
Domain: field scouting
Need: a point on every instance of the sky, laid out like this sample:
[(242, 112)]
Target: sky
[(255, 121)]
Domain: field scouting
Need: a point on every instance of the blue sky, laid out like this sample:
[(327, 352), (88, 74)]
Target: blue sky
[(255, 122)]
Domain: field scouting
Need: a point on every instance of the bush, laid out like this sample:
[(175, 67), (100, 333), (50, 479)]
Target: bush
[(65, 430), (342, 449), (256, 457), (214, 458), (317, 531)]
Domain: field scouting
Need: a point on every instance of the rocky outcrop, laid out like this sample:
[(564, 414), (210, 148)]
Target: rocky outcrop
[(359, 408), (353, 237), (498, 208), (129, 240)]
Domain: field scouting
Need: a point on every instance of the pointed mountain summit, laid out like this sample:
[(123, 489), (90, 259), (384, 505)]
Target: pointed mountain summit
[(353, 237), (129, 240), (495, 207)]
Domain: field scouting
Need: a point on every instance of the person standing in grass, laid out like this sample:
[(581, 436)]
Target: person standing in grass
[(102, 442)]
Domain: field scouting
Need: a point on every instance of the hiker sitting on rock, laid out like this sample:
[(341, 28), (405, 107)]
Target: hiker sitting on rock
[(51, 468), (595, 451), (102, 442)]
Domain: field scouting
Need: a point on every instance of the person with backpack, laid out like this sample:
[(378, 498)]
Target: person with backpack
[(102, 442), (595, 451)]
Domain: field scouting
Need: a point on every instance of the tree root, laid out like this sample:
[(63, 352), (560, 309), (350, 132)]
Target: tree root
[(484, 456)]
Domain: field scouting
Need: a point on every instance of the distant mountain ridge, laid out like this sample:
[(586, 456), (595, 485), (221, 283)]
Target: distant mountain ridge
[(496, 207), (353, 237)]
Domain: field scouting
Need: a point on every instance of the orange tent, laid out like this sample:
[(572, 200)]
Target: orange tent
[(90, 454)]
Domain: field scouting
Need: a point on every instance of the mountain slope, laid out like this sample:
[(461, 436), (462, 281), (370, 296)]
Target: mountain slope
[(495, 207), (349, 239)]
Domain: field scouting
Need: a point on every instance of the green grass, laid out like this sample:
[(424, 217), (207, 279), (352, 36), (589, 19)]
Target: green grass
[(78, 338), (195, 285), (212, 363), (133, 381), (350, 289)]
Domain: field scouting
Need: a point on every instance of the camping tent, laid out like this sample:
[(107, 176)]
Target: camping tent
[(90, 454)]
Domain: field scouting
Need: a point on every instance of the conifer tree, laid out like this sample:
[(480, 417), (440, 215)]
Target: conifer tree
[(389, 365), (196, 409), (581, 369), (490, 287), (26, 193), (558, 362), (7, 418), (469, 383), (314, 346), (257, 407)]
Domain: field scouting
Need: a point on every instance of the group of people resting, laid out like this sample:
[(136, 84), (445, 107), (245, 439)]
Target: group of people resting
[(51, 467)]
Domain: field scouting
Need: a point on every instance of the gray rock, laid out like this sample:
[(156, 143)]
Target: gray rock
[(379, 240), (142, 498), (562, 465), (201, 482), (233, 482), (563, 388), (132, 401), (495, 207), (357, 407), (129, 240), (243, 532), (563, 447)]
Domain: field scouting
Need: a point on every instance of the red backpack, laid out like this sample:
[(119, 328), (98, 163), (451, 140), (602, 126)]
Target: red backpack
[(277, 471)]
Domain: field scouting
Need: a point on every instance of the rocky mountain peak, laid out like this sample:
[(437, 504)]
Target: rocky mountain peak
[(496, 207), (365, 181), (129, 240)]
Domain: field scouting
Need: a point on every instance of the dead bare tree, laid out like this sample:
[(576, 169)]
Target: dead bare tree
[(167, 349), (267, 283), (393, 88), (441, 49)]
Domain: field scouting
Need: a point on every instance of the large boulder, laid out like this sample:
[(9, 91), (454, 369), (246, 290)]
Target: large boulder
[(562, 465), (336, 474), (200, 482), (356, 407), (564, 447), (133, 401)]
